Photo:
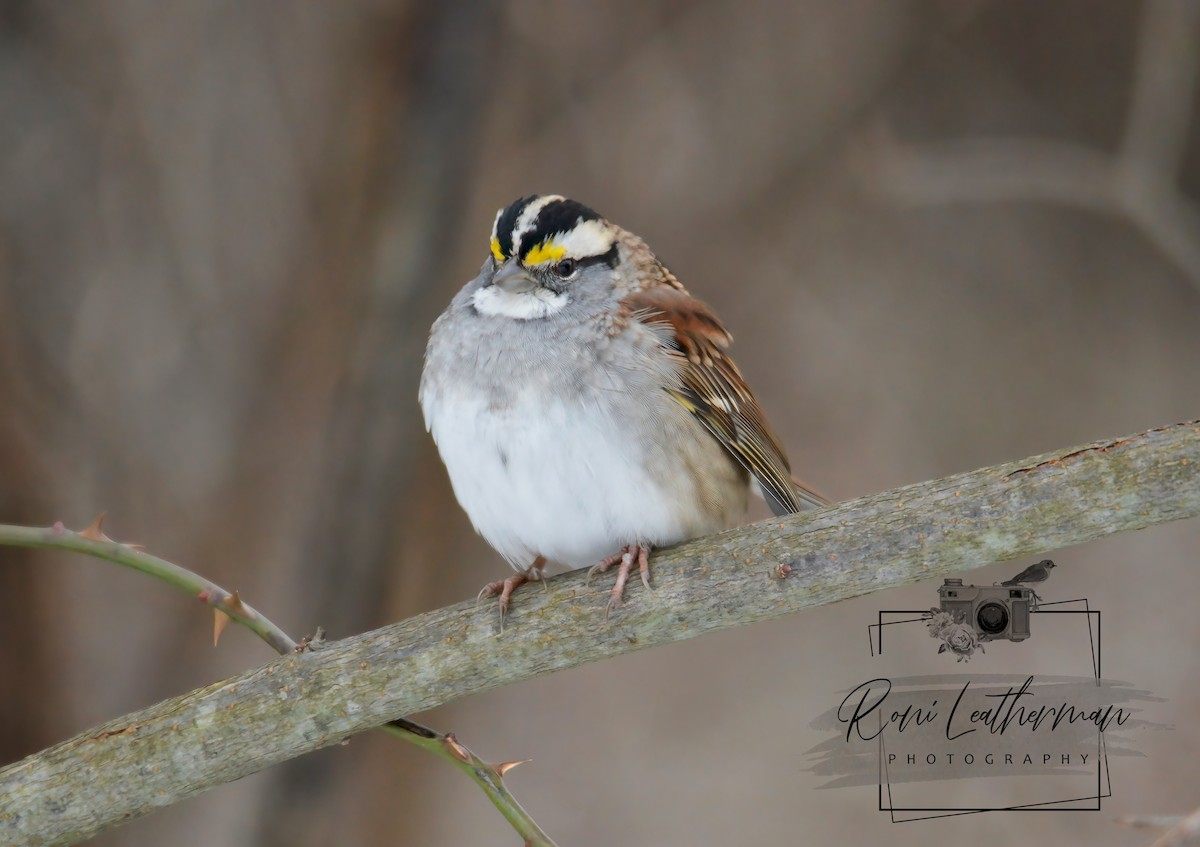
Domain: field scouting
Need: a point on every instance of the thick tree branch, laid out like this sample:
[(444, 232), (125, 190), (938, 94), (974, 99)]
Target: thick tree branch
[(182, 746)]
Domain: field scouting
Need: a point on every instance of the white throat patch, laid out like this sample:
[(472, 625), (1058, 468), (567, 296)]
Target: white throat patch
[(524, 306)]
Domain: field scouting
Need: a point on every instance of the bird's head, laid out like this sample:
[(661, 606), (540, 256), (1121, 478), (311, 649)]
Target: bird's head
[(544, 249)]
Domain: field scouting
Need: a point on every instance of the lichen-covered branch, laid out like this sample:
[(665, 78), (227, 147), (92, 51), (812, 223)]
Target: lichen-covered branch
[(302, 702)]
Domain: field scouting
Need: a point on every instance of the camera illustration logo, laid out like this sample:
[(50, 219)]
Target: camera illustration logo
[(932, 742), (967, 616)]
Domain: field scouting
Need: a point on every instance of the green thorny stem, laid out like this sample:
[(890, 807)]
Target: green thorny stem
[(92, 542)]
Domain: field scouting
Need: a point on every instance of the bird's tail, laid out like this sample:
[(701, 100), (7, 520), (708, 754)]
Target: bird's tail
[(810, 498)]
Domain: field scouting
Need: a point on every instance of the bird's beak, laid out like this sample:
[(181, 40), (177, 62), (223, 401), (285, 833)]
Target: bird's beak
[(512, 278)]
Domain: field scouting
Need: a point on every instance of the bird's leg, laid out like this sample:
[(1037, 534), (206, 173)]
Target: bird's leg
[(505, 587), (628, 555)]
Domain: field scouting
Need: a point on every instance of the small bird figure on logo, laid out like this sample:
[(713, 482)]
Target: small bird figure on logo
[(1034, 573), (584, 404)]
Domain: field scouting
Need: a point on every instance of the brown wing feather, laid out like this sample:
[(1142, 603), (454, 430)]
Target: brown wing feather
[(713, 390)]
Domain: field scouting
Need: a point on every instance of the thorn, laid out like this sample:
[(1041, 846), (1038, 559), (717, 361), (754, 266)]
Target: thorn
[(95, 531), (504, 767), (203, 595), (220, 621), (235, 604), (459, 751), (58, 528)]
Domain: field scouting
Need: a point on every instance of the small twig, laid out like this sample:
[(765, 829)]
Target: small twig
[(1164, 87), (1183, 832), (1149, 821), (1138, 183), (93, 542)]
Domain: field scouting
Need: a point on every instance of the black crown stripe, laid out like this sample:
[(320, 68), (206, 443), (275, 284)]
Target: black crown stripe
[(508, 220), (556, 217)]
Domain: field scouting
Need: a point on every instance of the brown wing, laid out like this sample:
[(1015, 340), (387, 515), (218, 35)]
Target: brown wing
[(712, 389)]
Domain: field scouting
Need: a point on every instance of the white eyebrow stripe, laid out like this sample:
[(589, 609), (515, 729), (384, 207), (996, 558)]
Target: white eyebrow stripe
[(587, 239), (496, 225)]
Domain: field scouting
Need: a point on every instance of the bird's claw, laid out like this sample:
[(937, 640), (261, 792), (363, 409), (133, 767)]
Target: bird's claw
[(639, 553), (505, 587)]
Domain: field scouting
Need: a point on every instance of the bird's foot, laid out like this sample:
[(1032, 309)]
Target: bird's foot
[(624, 560), (505, 587)]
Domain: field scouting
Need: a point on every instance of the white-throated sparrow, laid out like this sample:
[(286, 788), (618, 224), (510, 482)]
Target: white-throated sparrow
[(583, 403)]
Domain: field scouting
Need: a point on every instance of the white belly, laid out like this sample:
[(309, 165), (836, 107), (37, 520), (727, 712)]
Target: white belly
[(553, 478)]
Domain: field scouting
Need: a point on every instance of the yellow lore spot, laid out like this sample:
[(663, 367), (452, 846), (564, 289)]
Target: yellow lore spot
[(496, 251), (547, 251)]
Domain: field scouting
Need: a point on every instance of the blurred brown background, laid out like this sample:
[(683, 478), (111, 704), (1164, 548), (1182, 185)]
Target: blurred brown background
[(945, 234)]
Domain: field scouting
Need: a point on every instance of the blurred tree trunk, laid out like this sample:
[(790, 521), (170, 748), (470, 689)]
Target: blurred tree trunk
[(220, 235), (371, 440)]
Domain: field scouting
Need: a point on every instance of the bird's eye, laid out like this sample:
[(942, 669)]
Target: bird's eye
[(565, 268)]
